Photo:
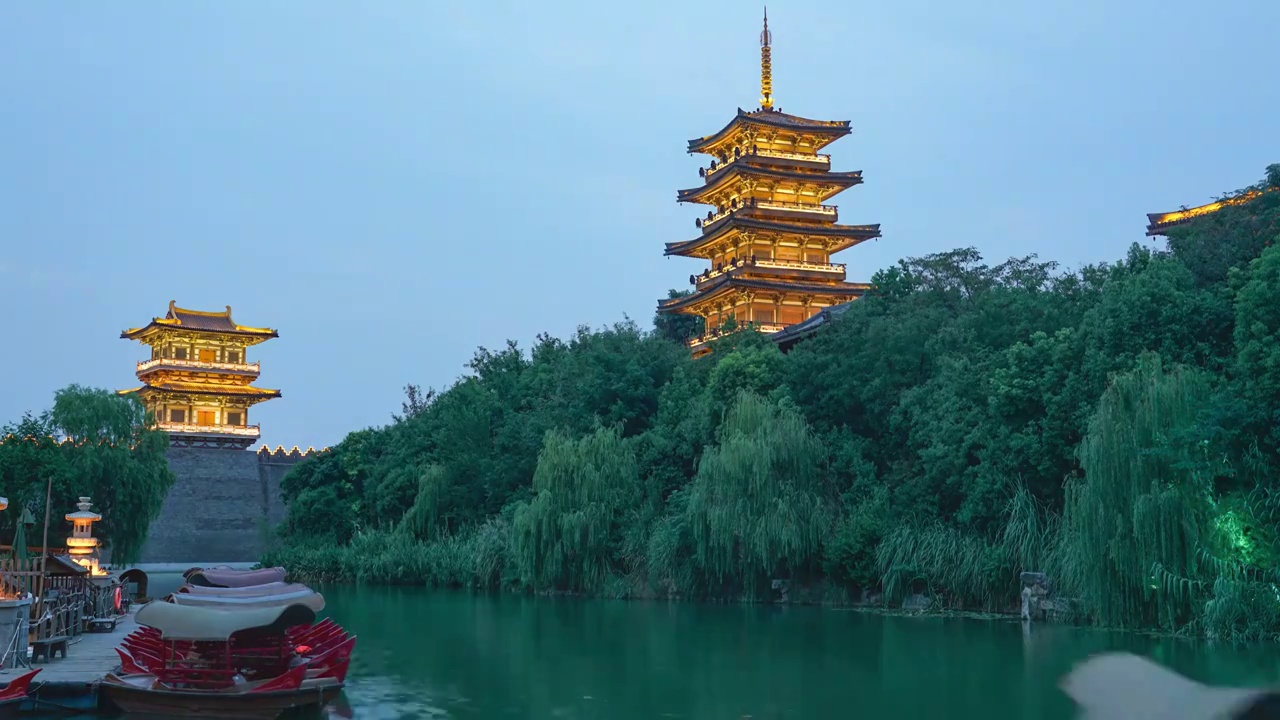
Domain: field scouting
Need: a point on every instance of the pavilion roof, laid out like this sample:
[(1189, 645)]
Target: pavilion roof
[(774, 119), (1159, 223), (205, 389), (198, 321)]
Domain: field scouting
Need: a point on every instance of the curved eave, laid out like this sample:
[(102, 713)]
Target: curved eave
[(159, 326), (244, 391), (842, 180), (730, 282), (856, 233), (834, 129)]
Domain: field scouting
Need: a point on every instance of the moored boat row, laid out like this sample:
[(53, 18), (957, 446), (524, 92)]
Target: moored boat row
[(230, 643)]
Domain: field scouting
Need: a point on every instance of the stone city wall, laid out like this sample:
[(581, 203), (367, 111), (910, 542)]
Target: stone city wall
[(222, 507)]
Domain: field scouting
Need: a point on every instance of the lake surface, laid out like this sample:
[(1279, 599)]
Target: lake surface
[(433, 654)]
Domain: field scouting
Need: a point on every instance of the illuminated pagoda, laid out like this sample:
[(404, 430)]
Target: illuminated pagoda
[(198, 384), (769, 235)]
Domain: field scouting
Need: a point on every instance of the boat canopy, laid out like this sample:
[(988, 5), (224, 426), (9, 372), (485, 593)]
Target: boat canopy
[(270, 588), (180, 622), (298, 595), (236, 578)]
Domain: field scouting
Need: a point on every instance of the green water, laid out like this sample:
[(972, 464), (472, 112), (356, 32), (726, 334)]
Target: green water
[(427, 654)]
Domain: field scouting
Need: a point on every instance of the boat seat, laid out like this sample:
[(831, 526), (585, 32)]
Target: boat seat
[(48, 648)]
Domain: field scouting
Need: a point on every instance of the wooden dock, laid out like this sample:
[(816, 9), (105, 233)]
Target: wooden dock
[(72, 682)]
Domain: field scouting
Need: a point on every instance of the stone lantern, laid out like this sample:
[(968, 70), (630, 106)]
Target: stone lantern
[(82, 546)]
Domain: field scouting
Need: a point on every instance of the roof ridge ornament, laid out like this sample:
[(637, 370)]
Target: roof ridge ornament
[(766, 65)]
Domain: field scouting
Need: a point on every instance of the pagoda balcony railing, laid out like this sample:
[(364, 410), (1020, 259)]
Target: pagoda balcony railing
[(753, 261), (801, 265), (767, 328), (189, 428), (197, 365), (821, 210), (716, 166), (715, 216)]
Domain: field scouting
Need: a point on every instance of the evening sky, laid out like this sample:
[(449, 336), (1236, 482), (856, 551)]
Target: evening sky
[(393, 184)]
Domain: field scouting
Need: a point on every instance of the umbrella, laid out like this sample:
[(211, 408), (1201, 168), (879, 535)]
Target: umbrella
[(20, 535)]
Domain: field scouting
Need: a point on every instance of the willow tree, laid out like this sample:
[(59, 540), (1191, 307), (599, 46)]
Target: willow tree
[(1136, 530), (118, 459), (569, 536), (755, 509), (93, 443)]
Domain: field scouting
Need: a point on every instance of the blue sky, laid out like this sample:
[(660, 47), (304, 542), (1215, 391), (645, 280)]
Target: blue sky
[(394, 184)]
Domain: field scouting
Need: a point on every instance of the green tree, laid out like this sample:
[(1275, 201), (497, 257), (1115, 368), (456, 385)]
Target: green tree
[(92, 443), (755, 508), (678, 327), (568, 536), (1136, 524)]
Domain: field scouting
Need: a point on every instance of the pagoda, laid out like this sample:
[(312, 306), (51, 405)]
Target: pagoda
[(198, 383), (770, 234)]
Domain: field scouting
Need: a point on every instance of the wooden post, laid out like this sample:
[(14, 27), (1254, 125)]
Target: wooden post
[(44, 548)]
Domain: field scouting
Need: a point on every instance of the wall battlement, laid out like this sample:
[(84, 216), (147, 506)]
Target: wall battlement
[(267, 455)]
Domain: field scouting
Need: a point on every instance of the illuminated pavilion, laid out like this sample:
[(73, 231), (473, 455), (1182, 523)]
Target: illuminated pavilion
[(1160, 223), (769, 235), (198, 383)]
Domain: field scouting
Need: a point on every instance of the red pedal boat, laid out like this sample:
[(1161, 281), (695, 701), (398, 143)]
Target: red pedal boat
[(234, 660), (12, 695)]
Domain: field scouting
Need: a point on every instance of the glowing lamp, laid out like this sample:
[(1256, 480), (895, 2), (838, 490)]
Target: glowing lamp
[(82, 546)]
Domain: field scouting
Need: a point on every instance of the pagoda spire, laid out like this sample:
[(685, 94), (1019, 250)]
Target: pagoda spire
[(766, 65)]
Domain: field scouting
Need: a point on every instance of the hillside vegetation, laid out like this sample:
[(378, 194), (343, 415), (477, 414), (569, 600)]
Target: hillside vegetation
[(1114, 426)]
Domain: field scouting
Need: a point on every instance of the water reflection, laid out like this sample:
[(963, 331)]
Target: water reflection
[(454, 655)]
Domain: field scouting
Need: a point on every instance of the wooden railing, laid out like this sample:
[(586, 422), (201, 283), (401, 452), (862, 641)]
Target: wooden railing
[(60, 612), (19, 577), (60, 603), (198, 365)]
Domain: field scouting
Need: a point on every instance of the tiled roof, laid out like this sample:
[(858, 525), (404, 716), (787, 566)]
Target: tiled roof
[(728, 282), (774, 118), (210, 389), (197, 320), (200, 321), (731, 173), (794, 333), (777, 117), (861, 232)]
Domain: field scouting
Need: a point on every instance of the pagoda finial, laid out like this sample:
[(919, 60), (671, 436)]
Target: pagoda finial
[(766, 65)]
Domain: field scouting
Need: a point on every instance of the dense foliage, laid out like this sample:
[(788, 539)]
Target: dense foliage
[(1114, 426), (92, 443)]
